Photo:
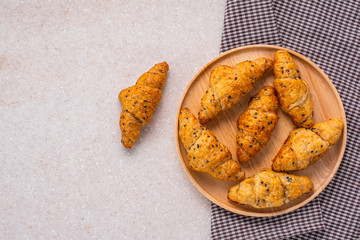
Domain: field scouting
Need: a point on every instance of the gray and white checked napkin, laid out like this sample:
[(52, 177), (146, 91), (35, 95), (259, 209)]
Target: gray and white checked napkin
[(327, 32)]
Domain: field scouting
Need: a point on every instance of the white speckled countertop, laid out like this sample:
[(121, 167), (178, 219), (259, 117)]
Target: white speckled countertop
[(64, 173)]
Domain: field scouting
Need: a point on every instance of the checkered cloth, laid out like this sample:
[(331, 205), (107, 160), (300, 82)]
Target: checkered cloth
[(327, 32)]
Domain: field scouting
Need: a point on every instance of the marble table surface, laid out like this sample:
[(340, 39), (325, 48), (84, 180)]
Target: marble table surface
[(64, 173)]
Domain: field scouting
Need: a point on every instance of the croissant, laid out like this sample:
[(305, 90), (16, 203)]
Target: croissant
[(204, 152), (306, 146), (293, 92), (140, 101), (269, 189), (256, 123), (228, 85)]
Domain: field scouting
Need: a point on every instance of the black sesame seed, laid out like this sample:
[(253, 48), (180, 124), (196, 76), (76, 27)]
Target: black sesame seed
[(123, 124), (247, 126), (256, 113), (213, 145), (255, 117), (321, 145), (262, 182), (207, 161), (184, 125), (241, 144), (263, 127), (197, 145), (229, 97), (312, 151), (193, 157), (267, 190), (265, 185), (252, 65), (302, 115), (221, 150), (282, 71), (250, 145)]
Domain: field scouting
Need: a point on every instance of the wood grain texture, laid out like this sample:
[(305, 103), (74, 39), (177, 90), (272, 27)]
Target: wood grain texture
[(327, 104)]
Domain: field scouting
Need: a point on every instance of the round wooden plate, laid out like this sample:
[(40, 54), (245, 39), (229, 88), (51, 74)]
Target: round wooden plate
[(327, 104)]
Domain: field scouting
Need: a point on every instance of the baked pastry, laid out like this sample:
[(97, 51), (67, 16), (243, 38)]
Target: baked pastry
[(256, 124), (269, 189), (306, 146), (140, 101), (292, 91), (228, 85), (204, 152)]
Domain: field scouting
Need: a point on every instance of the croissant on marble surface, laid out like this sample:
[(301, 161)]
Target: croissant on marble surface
[(140, 101)]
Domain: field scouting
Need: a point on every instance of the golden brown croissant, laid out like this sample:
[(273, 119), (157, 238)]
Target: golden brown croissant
[(293, 92), (269, 189), (229, 84), (256, 123), (305, 146), (205, 153), (140, 101)]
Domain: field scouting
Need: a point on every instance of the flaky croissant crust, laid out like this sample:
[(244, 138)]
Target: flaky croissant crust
[(140, 101), (204, 152), (306, 146), (292, 91), (269, 189), (228, 85), (256, 123)]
